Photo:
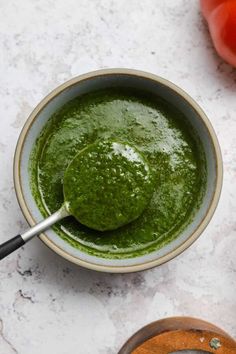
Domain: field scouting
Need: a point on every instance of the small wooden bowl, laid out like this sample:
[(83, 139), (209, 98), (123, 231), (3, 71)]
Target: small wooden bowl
[(179, 333)]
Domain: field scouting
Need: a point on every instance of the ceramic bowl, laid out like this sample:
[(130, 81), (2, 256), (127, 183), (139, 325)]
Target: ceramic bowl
[(119, 78)]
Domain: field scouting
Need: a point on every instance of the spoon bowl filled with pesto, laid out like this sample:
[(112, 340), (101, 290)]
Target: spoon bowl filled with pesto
[(130, 159), (107, 185)]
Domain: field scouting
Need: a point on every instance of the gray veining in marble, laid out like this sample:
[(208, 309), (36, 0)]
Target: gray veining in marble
[(48, 305)]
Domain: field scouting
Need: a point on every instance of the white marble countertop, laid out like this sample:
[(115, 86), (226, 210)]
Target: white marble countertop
[(48, 305)]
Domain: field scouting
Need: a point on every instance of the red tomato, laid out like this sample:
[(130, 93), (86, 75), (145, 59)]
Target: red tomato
[(208, 6), (221, 18)]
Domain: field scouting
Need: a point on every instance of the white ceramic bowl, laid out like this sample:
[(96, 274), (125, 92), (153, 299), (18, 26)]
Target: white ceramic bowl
[(122, 78)]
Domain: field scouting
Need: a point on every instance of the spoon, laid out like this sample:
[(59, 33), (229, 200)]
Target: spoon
[(107, 185)]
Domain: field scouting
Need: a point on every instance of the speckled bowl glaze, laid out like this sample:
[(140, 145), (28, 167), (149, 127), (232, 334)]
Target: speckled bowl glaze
[(121, 78)]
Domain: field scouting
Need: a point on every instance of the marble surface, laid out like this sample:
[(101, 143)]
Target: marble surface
[(48, 305)]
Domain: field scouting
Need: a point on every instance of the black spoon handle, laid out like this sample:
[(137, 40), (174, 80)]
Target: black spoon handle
[(10, 246), (16, 242)]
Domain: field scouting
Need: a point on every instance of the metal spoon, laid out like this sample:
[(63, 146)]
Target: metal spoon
[(81, 187), (16, 242)]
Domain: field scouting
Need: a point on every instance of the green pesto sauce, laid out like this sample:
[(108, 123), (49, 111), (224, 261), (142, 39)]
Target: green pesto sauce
[(107, 185), (159, 131)]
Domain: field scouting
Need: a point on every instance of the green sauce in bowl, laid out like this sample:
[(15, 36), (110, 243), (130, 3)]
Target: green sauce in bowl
[(162, 136)]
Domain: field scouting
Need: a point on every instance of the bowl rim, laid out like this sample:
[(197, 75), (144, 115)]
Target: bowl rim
[(129, 72)]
